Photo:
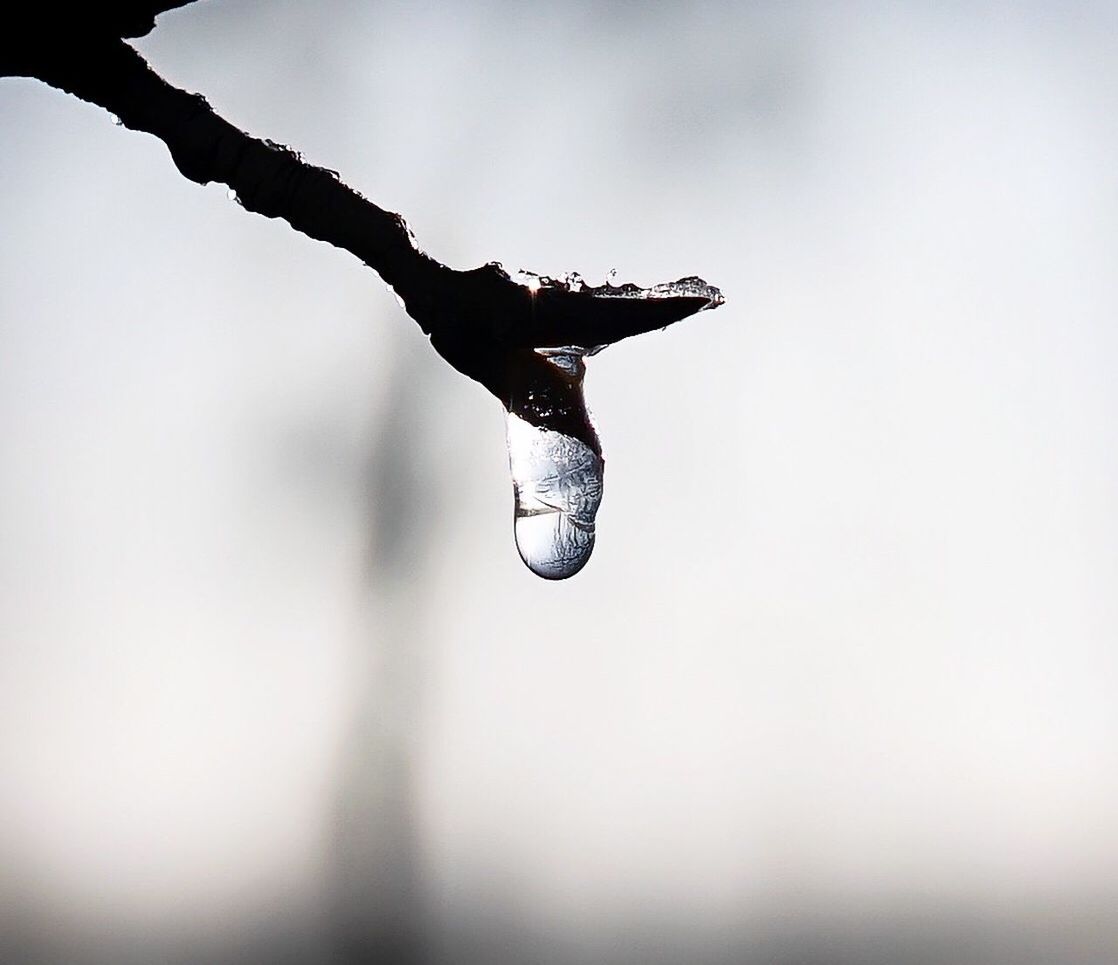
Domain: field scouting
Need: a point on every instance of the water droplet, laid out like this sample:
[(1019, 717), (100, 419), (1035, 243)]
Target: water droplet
[(557, 485), (231, 195), (556, 475), (116, 120)]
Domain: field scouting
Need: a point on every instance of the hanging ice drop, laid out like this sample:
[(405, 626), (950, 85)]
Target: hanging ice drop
[(554, 453), (556, 465)]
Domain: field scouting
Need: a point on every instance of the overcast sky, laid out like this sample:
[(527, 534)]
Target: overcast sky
[(839, 683)]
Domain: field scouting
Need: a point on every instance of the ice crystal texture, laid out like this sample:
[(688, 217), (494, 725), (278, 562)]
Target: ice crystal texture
[(689, 287), (556, 476)]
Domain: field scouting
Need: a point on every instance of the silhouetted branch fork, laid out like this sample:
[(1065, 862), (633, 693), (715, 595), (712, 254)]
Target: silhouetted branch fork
[(481, 321)]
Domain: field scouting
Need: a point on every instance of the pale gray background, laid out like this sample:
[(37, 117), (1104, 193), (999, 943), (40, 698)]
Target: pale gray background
[(839, 684)]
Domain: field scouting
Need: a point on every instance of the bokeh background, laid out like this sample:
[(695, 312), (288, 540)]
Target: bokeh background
[(840, 684)]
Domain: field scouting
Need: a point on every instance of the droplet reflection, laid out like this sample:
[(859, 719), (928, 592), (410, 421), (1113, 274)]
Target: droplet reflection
[(556, 476)]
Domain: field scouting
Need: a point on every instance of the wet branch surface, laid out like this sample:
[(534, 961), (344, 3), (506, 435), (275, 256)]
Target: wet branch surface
[(481, 321)]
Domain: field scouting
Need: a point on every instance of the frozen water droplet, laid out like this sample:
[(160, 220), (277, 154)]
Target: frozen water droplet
[(231, 195), (557, 485), (116, 120), (556, 475)]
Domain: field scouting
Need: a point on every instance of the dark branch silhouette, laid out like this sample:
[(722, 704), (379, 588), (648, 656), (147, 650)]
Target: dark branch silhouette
[(481, 321)]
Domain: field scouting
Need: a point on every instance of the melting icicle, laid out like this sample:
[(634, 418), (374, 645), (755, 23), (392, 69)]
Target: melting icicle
[(556, 466), (554, 453)]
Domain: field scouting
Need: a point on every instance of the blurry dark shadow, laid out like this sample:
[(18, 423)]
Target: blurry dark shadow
[(378, 902)]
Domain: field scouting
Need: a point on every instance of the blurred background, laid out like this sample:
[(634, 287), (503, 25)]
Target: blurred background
[(840, 684)]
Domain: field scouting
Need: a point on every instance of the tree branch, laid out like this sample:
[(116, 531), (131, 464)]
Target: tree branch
[(481, 321)]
